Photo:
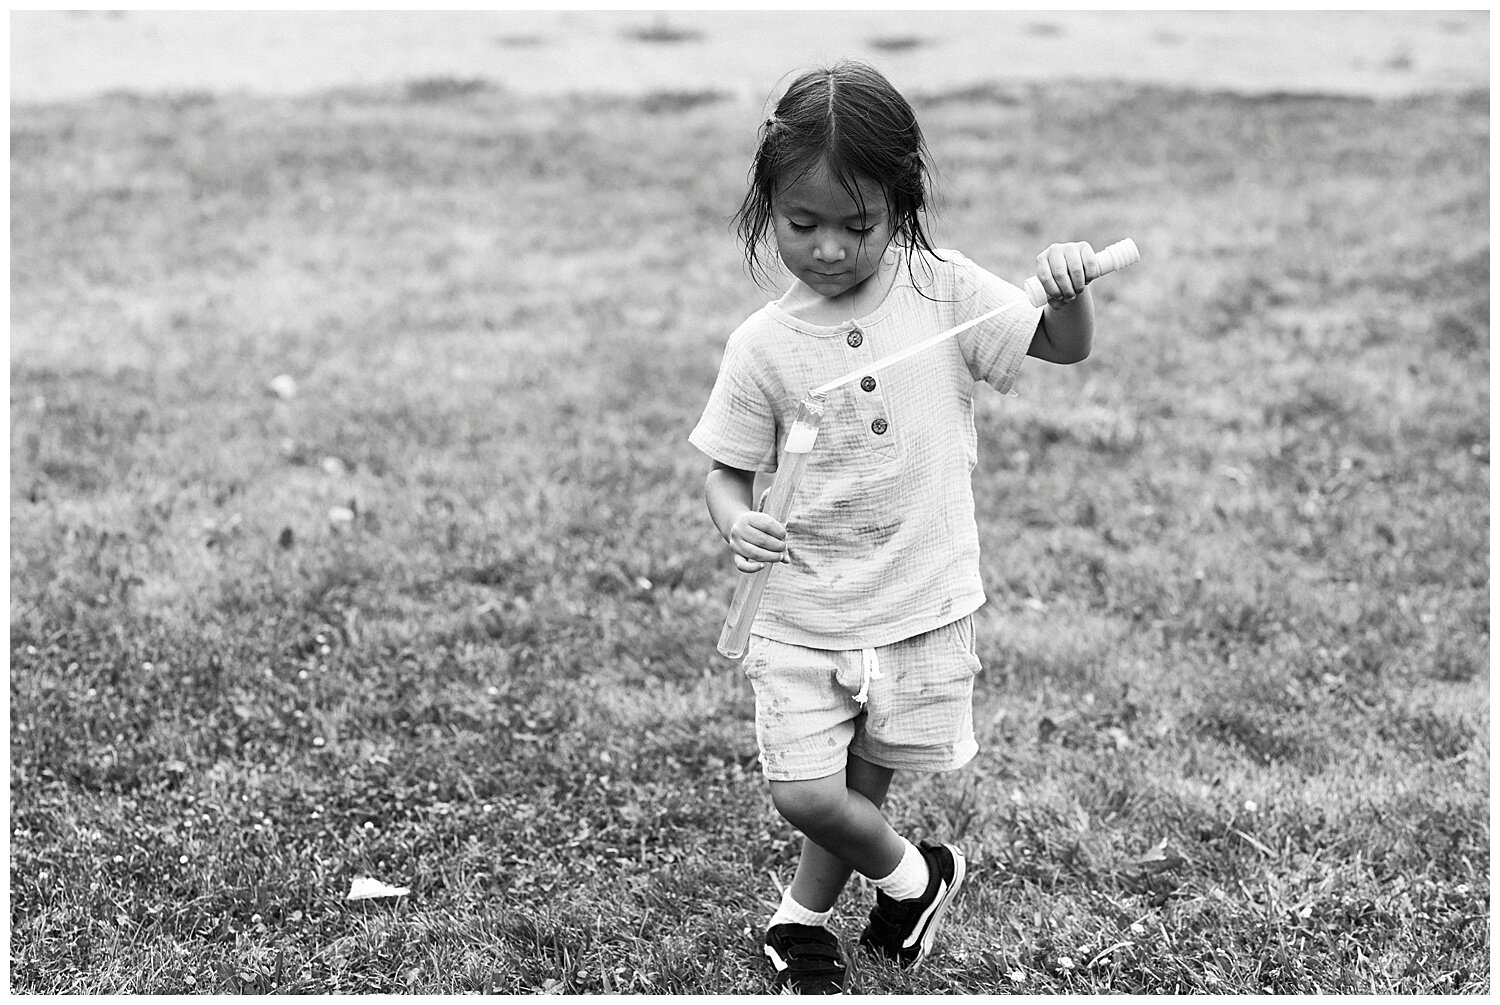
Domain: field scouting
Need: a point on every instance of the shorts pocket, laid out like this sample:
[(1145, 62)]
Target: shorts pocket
[(757, 657), (962, 639)]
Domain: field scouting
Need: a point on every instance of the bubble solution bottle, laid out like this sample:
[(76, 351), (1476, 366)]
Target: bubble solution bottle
[(735, 638)]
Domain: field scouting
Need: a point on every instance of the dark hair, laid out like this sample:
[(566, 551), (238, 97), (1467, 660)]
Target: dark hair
[(850, 118)]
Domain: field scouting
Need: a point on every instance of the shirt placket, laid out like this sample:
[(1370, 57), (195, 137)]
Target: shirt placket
[(870, 399)]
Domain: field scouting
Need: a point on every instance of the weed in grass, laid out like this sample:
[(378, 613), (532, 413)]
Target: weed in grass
[(661, 32), (897, 43), (443, 88), (669, 102), (1043, 29), (519, 41), (977, 95)]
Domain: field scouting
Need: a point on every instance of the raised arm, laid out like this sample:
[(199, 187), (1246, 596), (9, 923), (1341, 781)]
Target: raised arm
[(1065, 333)]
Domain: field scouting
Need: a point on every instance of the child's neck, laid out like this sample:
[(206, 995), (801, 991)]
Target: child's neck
[(806, 304)]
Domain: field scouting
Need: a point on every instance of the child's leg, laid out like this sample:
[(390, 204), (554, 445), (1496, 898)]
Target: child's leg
[(821, 874), (844, 824)]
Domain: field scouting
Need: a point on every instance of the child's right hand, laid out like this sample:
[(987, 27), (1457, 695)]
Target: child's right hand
[(757, 541)]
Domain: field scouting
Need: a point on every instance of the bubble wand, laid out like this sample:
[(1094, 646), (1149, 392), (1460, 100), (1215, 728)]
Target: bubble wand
[(734, 639)]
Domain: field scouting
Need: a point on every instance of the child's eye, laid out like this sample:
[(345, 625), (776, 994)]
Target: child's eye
[(800, 227), (861, 231)]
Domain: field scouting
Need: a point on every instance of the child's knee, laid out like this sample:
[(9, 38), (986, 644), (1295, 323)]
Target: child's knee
[(807, 804)]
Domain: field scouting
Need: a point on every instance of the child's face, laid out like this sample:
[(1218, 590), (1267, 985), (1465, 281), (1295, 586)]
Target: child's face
[(823, 236)]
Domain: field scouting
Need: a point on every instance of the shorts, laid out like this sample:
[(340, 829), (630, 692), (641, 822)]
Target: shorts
[(907, 706)]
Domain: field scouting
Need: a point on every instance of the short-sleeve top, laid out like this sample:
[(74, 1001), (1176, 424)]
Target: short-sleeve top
[(881, 538)]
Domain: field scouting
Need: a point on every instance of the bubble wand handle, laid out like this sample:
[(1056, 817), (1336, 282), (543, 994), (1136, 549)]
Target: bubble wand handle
[(735, 637), (1113, 258)]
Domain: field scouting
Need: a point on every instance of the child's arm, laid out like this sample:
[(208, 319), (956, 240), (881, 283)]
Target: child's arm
[(753, 537), (1065, 333)]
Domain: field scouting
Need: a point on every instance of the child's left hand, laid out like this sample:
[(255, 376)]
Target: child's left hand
[(1064, 270)]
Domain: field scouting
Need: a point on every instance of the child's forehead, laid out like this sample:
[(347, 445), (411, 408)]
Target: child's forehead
[(819, 190)]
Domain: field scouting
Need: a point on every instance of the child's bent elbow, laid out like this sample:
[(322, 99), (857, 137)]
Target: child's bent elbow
[(1075, 351)]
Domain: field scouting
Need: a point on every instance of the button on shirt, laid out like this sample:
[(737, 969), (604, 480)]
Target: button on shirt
[(882, 539)]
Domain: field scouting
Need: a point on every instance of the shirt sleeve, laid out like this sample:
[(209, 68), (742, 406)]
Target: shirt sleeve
[(995, 349), (738, 425)]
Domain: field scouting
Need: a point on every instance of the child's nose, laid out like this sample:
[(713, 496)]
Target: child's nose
[(829, 250)]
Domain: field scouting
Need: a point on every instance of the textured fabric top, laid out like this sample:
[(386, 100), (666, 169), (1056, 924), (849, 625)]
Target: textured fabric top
[(881, 538)]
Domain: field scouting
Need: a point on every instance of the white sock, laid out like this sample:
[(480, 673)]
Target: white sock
[(909, 879), (792, 913)]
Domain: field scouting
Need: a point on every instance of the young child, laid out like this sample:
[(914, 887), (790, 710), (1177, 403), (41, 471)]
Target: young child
[(863, 654)]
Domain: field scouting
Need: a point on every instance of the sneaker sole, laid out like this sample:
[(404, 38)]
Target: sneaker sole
[(929, 937)]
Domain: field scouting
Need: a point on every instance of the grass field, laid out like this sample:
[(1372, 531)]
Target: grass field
[(445, 616)]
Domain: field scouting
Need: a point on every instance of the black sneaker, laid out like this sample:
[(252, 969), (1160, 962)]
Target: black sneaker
[(904, 930), (807, 960)]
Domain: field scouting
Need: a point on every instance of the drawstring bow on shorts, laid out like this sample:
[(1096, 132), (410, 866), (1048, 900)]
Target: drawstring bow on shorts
[(871, 672)]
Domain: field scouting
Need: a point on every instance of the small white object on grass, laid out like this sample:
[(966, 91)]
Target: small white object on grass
[(365, 888), (283, 386)]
